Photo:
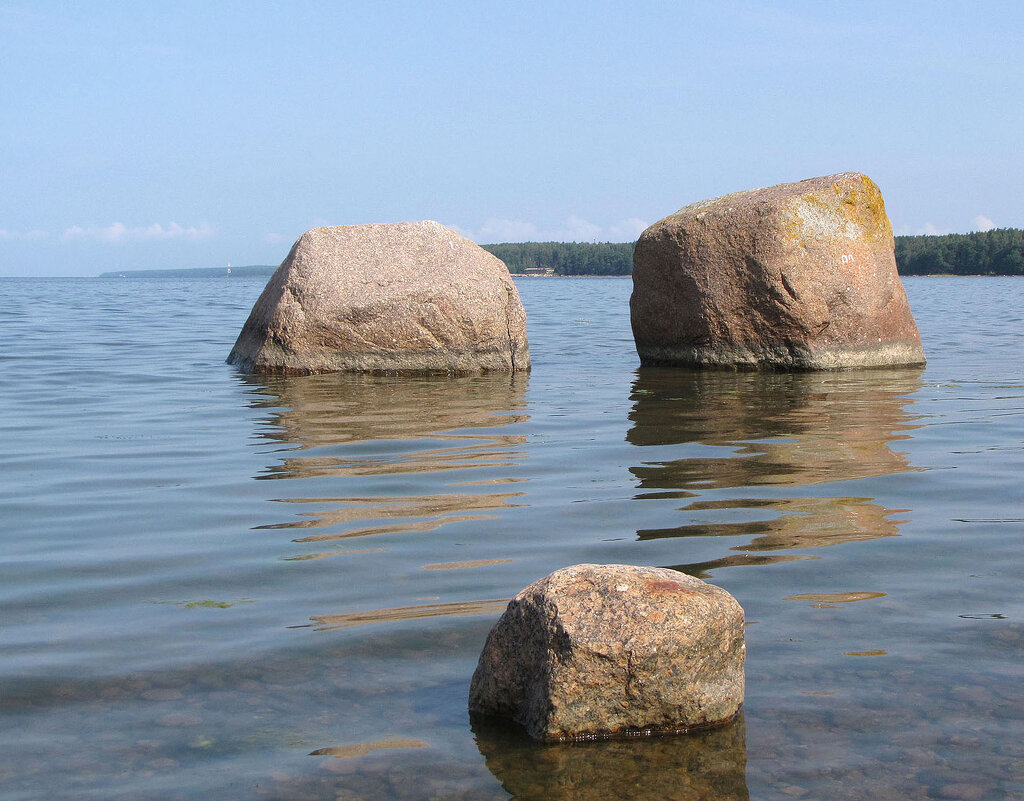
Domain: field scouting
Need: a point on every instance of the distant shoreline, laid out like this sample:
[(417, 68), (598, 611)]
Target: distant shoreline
[(996, 252), (215, 273), (246, 271)]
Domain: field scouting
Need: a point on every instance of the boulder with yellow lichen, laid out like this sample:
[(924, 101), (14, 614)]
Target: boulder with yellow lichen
[(798, 276)]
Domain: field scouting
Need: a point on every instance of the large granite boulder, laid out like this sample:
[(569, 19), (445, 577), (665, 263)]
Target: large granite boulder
[(799, 276), (396, 298), (602, 650)]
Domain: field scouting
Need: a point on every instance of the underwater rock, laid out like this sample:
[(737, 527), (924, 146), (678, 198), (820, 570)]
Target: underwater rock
[(395, 298), (703, 765), (798, 276), (603, 650)]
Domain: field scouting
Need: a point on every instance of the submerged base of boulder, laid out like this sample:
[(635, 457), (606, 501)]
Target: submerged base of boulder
[(793, 356), (613, 650), (709, 764)]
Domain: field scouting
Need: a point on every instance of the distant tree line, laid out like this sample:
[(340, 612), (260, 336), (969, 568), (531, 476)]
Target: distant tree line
[(997, 252), (566, 258)]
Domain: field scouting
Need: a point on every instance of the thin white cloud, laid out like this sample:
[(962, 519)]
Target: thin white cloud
[(931, 230), (576, 229), (118, 232), (275, 239), (983, 223), (497, 230), (8, 234), (627, 230)]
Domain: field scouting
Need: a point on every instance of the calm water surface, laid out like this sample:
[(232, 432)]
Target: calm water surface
[(221, 586)]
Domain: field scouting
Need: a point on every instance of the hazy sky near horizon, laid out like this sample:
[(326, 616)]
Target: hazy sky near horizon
[(153, 135)]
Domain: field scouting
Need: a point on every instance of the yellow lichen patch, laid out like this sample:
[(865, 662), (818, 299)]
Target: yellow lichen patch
[(861, 205), (867, 201)]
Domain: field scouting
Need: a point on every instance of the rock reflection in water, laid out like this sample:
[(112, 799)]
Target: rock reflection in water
[(465, 565), (362, 749), (319, 414), (789, 429), (780, 430), (395, 613), (371, 429), (692, 767), (805, 523), (432, 507), (835, 597)]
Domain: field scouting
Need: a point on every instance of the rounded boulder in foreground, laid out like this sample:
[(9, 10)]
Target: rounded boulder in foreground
[(798, 276), (604, 650), (388, 298)]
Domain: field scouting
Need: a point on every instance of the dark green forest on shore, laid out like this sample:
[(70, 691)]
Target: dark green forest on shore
[(566, 258), (996, 252)]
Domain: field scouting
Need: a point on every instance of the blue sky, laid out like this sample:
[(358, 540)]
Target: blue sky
[(149, 135)]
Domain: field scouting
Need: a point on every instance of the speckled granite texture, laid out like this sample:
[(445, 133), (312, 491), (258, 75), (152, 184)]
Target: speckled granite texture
[(605, 650), (395, 298), (798, 276)]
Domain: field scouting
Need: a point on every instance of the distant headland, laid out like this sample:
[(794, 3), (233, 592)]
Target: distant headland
[(996, 252), (246, 271)]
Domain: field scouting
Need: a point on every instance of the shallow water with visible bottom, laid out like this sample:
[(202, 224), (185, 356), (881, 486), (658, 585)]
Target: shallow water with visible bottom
[(221, 586)]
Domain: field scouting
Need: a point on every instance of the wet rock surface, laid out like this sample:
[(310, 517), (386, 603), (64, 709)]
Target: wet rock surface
[(395, 298), (795, 276), (603, 650)]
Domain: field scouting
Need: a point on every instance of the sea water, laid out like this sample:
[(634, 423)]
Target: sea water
[(215, 585)]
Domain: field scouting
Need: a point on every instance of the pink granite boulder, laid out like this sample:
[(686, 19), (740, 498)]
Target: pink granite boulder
[(395, 298), (798, 276), (604, 650)]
